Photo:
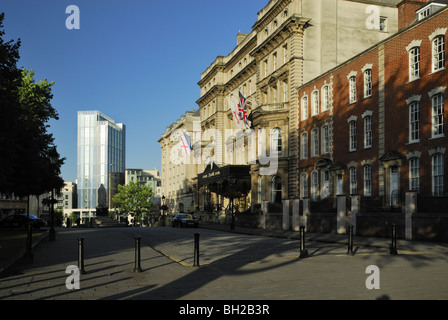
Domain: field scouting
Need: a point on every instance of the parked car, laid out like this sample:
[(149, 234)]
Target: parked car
[(184, 220), (19, 220)]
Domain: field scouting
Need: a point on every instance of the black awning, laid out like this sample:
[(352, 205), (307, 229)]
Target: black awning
[(231, 181)]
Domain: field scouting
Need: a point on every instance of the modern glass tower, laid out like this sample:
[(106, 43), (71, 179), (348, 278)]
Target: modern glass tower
[(101, 159)]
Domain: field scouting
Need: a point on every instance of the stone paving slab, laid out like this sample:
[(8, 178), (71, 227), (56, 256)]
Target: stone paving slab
[(234, 266)]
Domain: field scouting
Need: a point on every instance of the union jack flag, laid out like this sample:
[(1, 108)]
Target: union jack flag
[(185, 141), (240, 112)]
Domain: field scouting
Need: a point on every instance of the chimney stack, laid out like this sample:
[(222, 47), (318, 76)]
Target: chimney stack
[(407, 12)]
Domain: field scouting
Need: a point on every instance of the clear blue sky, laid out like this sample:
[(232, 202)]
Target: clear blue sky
[(137, 61)]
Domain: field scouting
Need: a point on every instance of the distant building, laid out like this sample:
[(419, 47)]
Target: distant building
[(69, 197), (101, 158), (178, 170), (149, 178), (11, 205)]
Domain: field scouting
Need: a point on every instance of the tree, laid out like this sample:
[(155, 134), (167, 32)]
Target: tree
[(10, 77), (133, 199), (25, 145)]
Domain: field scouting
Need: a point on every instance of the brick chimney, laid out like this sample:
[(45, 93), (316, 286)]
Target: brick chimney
[(407, 12)]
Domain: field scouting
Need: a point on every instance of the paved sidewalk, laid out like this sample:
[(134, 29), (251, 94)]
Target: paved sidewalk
[(419, 271), (363, 241)]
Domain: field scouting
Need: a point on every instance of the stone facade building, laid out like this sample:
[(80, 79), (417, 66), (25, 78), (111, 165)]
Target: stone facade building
[(291, 42), (178, 170)]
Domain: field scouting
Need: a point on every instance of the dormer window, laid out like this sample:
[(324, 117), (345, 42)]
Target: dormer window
[(429, 9)]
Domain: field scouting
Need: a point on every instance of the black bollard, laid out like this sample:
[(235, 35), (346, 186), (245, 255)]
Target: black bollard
[(196, 250), (303, 251), (350, 240), (137, 267), (393, 246), (81, 255)]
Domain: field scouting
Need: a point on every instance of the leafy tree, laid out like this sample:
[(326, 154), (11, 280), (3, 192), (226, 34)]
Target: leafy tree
[(10, 77), (25, 145), (133, 199)]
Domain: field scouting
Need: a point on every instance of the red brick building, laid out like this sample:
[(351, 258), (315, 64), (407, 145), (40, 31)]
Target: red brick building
[(376, 125)]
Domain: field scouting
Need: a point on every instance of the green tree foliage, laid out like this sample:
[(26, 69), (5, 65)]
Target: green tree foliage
[(133, 199), (25, 145)]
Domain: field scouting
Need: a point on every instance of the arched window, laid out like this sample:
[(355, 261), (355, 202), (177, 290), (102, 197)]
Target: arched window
[(304, 107), (276, 140), (437, 174), (367, 83), (303, 186), (438, 53), (352, 92), (276, 189)]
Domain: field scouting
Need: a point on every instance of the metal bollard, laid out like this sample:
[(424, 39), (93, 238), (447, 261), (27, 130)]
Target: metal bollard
[(303, 251), (137, 266), (196, 250), (81, 255), (393, 246), (350, 240)]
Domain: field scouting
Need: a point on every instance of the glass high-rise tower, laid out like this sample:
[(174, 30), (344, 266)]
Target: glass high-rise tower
[(101, 159)]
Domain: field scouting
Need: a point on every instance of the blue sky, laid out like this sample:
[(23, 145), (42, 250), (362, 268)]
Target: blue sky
[(137, 61)]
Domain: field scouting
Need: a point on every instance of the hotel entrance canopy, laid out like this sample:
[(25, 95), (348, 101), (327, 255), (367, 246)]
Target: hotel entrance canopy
[(231, 181)]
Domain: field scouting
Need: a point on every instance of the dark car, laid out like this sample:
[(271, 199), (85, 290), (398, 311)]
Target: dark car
[(184, 220), (19, 220)]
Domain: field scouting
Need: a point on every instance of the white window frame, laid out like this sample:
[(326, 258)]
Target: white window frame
[(414, 174), (367, 180), (352, 133), (368, 132), (304, 145), (315, 142), (437, 115), (304, 185), (414, 122), (437, 174), (325, 98), (304, 108), (367, 83), (314, 103), (352, 89), (414, 63), (276, 140), (325, 133), (438, 53)]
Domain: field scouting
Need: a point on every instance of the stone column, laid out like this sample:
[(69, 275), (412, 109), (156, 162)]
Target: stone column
[(296, 215), (264, 213), (410, 210), (341, 219), (285, 222)]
